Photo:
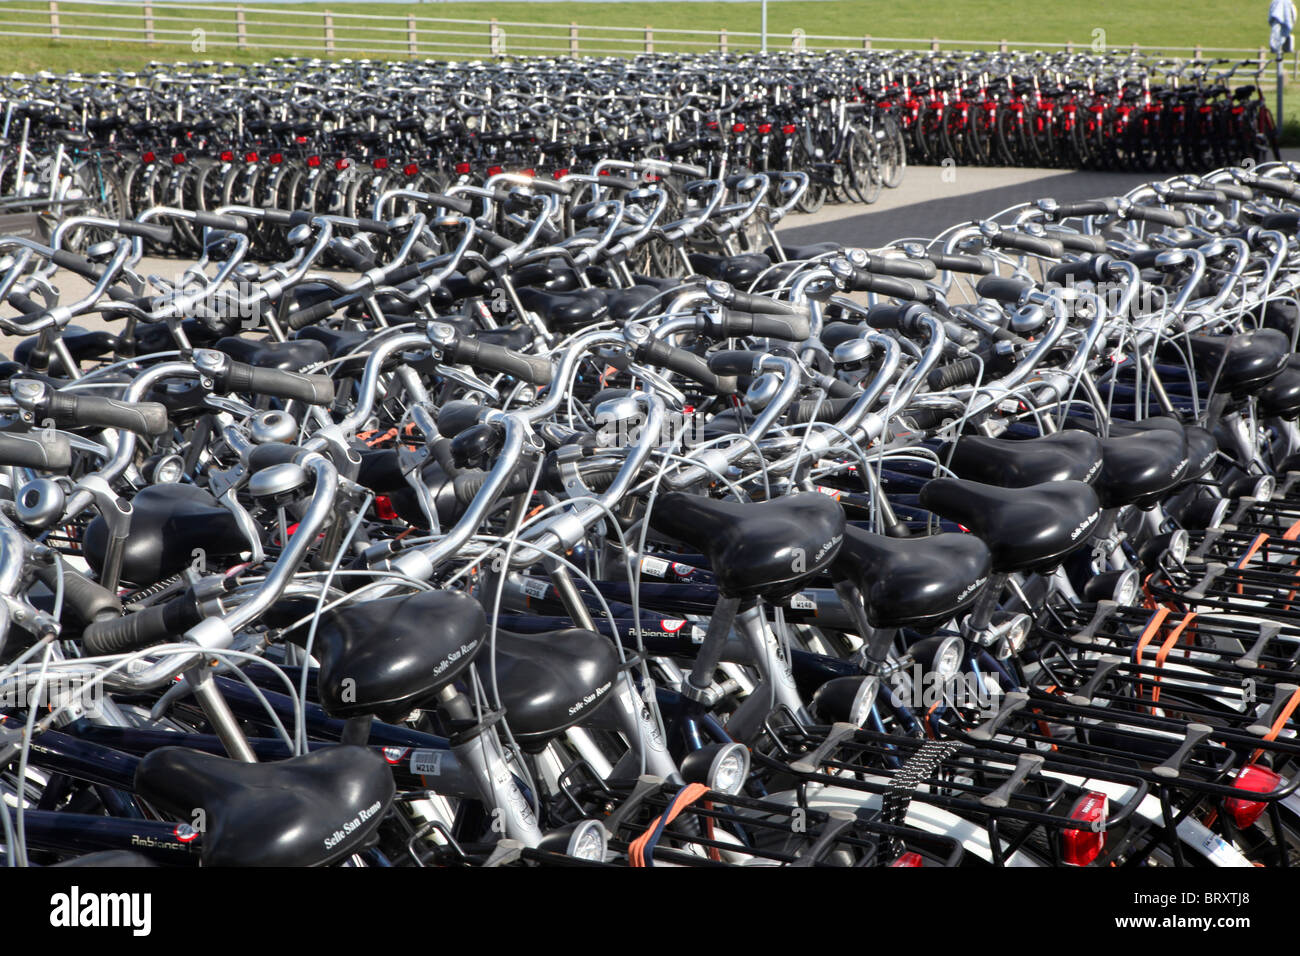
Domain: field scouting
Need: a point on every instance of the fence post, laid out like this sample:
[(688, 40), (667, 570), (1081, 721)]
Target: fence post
[(1198, 52), (934, 43), (798, 41), (496, 38), (1002, 46), (241, 28), (722, 40), (329, 32), (649, 39), (1262, 61), (148, 22), (54, 19), (1069, 47), (1135, 49), (410, 35), (573, 39), (866, 42)]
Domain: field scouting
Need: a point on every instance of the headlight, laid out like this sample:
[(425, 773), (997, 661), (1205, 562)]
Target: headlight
[(720, 767)]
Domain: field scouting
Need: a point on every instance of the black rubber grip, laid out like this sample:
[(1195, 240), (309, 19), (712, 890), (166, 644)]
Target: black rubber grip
[(1277, 187), (1003, 290), (904, 318), (1285, 222), (310, 315), (34, 450), (619, 182), (1087, 207), (24, 304), (688, 364), (454, 203), (758, 304), (75, 263), (286, 217), (863, 281), (1091, 269), (228, 223), (86, 600), (466, 485), (155, 231), (1034, 245), (729, 323), (312, 389), (962, 372), (143, 418), (352, 257), (926, 418), (369, 225), (493, 241), (1164, 217), (1235, 191), (495, 358), (733, 362), (131, 632), (901, 268), (956, 262), (552, 186), (1080, 243), (1196, 197), (735, 179), (686, 169)]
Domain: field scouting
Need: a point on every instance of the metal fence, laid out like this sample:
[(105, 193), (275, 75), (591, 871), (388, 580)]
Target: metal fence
[(202, 28)]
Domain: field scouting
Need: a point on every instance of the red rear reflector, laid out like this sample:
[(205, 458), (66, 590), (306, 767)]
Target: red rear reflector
[(341, 164), (908, 859), (276, 158), (384, 508), (300, 140), (604, 172), (494, 170), (788, 128), (149, 157), (380, 163), (313, 161), (1253, 779), (765, 128), (738, 127), (462, 169), (1080, 847), (559, 173), (227, 156), (411, 169), (178, 158), (529, 172), (250, 157)]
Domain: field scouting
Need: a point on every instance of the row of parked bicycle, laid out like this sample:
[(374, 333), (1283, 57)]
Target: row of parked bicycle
[(978, 551)]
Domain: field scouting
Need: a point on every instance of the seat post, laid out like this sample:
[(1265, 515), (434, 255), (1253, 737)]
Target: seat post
[(710, 655)]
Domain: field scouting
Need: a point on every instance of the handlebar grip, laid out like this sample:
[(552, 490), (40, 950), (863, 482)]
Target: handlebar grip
[(286, 217), (134, 631), (926, 418), (156, 231), (370, 225), (1285, 222), (1235, 191), (493, 241), (956, 262), (792, 328), (75, 263), (1090, 269), (619, 182), (739, 301), (1087, 207), (735, 179), (229, 223), (733, 362), (901, 268), (1003, 290), (1033, 245), (962, 372), (903, 318), (498, 358), (1164, 217), (454, 203), (1276, 187), (687, 364), (863, 281), (83, 597), (1081, 243), (310, 315), (143, 418), (312, 389), (29, 306), (35, 451), (354, 259), (687, 169), (1197, 197)]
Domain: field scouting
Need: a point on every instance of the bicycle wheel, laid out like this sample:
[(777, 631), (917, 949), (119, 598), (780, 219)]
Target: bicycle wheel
[(865, 178), (893, 151)]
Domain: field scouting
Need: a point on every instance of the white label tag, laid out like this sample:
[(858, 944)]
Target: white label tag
[(802, 602), (426, 763), (655, 567), (535, 589)]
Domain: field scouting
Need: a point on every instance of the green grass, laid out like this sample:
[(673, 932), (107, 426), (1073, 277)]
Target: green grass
[(1116, 23)]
